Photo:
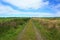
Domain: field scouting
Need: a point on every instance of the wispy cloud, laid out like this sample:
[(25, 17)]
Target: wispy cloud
[(28, 4), (56, 8), (28, 8), (8, 11)]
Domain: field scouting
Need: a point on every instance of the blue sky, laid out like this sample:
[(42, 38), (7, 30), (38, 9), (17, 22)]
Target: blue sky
[(29, 8)]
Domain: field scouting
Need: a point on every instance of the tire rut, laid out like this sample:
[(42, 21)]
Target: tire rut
[(35, 30), (20, 34), (38, 36)]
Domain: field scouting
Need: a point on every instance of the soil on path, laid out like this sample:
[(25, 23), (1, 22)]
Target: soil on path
[(29, 33)]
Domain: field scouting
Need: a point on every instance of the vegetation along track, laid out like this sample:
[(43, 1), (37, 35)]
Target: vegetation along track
[(29, 33)]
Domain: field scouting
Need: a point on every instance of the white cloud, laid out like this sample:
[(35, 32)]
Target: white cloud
[(10, 12), (28, 4), (56, 8), (44, 14), (57, 14)]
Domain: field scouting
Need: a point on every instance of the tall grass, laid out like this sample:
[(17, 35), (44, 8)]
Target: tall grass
[(12, 33), (10, 27), (49, 28)]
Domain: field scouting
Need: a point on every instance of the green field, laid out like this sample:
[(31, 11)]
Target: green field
[(16, 28), (11, 27)]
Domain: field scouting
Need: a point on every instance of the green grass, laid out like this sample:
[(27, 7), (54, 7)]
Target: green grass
[(29, 33), (48, 34), (12, 33), (8, 30)]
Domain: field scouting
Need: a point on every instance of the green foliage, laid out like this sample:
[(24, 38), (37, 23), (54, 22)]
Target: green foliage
[(12, 33), (48, 33), (9, 27)]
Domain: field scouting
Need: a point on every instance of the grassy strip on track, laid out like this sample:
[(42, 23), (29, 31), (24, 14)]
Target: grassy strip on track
[(29, 33)]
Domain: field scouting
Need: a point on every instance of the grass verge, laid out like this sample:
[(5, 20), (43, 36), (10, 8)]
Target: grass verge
[(12, 33), (48, 34)]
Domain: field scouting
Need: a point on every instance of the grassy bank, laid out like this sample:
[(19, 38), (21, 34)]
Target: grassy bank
[(12, 33), (52, 33), (11, 27)]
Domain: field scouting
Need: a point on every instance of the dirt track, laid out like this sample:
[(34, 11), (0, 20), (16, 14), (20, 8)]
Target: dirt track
[(30, 32)]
